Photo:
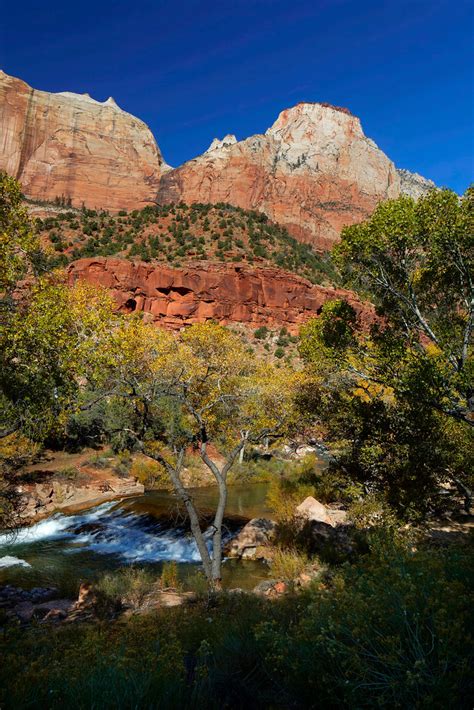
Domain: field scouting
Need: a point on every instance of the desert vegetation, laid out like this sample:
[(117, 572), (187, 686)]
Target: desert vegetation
[(178, 234)]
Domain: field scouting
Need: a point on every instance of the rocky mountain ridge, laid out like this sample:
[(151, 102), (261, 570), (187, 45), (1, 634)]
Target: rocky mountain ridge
[(413, 184), (313, 171), (72, 147)]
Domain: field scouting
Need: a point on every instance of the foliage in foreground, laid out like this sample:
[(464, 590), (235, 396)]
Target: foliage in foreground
[(392, 631), (396, 404)]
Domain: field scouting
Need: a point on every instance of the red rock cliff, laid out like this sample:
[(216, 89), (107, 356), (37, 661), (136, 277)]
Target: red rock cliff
[(70, 145), (222, 292), (314, 171)]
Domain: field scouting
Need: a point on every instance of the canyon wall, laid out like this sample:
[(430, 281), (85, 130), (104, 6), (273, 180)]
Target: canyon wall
[(71, 146), (225, 293), (313, 171)]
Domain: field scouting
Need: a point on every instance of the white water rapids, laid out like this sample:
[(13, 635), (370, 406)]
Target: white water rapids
[(108, 530)]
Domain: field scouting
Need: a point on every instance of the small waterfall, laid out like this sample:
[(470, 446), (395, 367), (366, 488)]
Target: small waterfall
[(109, 529)]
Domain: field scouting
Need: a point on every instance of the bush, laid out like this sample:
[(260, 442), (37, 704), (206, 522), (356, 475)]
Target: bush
[(198, 584), (287, 564), (130, 586), (169, 576), (395, 627), (98, 460), (257, 470), (392, 631), (149, 473), (68, 473), (284, 496), (287, 492), (261, 333), (123, 465)]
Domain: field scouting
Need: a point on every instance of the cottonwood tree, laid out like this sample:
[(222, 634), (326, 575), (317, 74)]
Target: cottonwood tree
[(397, 402), (170, 393), (47, 332), (47, 344), (20, 249), (415, 261)]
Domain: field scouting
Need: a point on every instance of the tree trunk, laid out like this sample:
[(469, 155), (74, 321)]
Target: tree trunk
[(217, 534), (221, 479), (186, 499), (465, 492)]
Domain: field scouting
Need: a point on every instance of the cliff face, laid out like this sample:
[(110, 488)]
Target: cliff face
[(313, 171), (413, 184), (222, 292), (69, 145)]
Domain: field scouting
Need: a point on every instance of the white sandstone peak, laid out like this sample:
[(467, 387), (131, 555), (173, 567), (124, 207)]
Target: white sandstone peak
[(413, 184), (87, 98), (305, 114), (227, 141)]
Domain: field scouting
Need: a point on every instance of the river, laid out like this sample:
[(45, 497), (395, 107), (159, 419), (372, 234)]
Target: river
[(69, 548)]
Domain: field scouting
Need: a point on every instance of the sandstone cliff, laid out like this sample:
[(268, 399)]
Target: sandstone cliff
[(69, 145), (222, 292), (313, 171), (413, 184)]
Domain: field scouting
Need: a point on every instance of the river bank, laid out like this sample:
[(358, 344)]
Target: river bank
[(70, 482)]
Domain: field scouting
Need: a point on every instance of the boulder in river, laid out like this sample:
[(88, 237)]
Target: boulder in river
[(314, 511), (257, 533)]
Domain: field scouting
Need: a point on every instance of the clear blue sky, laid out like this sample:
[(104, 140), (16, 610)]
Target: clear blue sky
[(194, 70)]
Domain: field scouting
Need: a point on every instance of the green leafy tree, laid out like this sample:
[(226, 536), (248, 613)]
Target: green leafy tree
[(166, 394), (20, 251), (396, 404), (415, 261)]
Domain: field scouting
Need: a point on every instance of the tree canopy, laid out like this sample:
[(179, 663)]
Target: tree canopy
[(166, 393), (396, 403)]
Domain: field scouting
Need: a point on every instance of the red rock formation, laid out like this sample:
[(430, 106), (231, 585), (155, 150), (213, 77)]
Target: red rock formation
[(313, 171), (222, 292), (68, 145)]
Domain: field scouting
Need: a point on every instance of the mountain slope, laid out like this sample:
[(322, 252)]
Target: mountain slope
[(181, 234)]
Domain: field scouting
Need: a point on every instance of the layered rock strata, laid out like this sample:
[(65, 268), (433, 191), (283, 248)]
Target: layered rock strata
[(314, 171), (225, 293), (72, 147)]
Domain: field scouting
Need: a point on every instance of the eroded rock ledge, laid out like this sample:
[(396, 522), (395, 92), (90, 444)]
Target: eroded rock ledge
[(226, 293)]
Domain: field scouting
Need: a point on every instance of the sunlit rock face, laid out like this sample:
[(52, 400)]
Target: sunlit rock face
[(71, 146), (413, 184), (314, 171), (226, 293)]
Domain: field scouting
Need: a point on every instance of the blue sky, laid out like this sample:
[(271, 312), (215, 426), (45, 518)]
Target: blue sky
[(195, 70)]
